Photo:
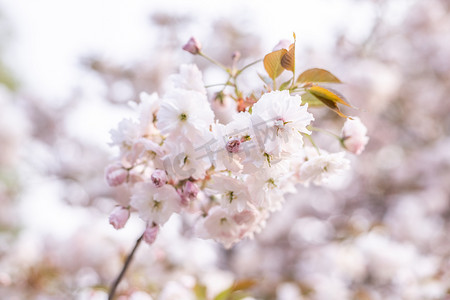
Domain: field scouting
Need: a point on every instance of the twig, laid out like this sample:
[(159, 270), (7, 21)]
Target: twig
[(113, 288)]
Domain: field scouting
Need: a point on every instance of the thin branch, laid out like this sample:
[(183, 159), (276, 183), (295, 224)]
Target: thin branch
[(113, 288), (215, 62), (247, 66)]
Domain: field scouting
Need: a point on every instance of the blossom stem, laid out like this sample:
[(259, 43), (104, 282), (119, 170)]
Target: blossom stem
[(228, 83), (247, 66), (293, 80), (312, 142), (215, 62), (219, 84), (324, 131), (113, 288)]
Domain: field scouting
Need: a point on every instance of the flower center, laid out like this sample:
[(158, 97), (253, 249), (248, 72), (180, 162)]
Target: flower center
[(271, 183), (183, 117), (156, 205), (233, 146), (230, 195), (279, 123)]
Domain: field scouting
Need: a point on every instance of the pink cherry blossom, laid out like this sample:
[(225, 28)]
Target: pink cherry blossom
[(159, 178), (354, 136), (119, 217), (150, 233), (115, 174)]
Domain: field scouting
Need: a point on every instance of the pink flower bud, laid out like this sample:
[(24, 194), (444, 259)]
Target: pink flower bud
[(119, 217), (193, 46), (189, 192), (236, 56), (353, 135), (115, 174), (233, 146), (282, 44), (159, 178), (150, 233)]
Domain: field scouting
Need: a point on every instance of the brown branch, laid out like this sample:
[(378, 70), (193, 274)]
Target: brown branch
[(113, 288)]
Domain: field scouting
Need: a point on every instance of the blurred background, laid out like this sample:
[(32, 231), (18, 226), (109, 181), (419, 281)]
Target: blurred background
[(68, 71)]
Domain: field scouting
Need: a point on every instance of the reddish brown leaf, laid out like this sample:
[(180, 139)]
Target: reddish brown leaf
[(272, 63), (317, 75)]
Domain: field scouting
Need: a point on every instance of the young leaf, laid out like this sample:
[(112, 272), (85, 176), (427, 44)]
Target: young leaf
[(224, 295), (272, 63), (243, 284), (285, 84), (235, 291), (332, 105), (312, 100), (327, 93), (200, 291), (288, 60), (265, 79), (317, 75)]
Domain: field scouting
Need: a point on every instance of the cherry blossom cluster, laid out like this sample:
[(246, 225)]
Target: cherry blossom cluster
[(227, 166)]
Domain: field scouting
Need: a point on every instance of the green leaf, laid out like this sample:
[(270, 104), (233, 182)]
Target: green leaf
[(312, 100), (243, 284), (285, 84), (317, 75), (224, 295), (331, 104), (200, 291), (235, 291), (272, 63), (327, 93), (265, 79)]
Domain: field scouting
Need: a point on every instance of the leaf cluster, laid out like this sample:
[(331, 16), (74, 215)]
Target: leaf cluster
[(310, 82)]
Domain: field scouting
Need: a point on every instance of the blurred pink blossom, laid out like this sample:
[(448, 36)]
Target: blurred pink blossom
[(159, 178), (354, 136), (150, 233), (119, 217), (189, 192), (115, 174)]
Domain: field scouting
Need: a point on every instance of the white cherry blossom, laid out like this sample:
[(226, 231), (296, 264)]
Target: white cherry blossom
[(220, 226), (233, 192), (184, 113), (278, 120), (189, 78), (155, 205), (229, 169), (320, 168)]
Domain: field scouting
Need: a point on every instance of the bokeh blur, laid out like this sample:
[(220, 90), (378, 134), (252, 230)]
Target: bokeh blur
[(68, 72)]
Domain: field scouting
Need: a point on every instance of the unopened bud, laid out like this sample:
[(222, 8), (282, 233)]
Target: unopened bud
[(354, 137), (150, 233), (188, 193), (193, 46), (159, 178), (115, 174), (233, 146), (119, 217), (236, 56), (190, 190)]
